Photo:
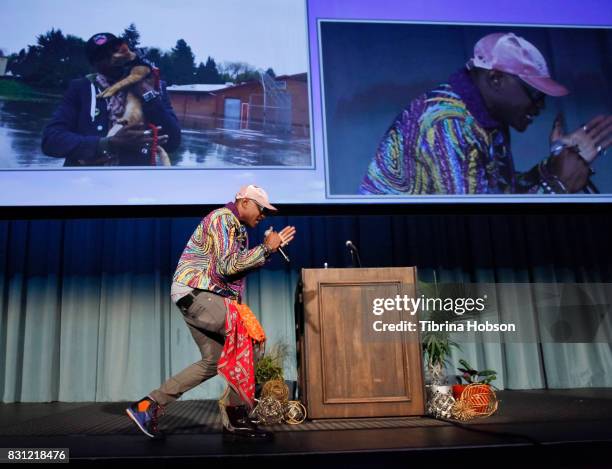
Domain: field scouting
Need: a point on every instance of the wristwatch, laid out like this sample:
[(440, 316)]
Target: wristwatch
[(557, 147), (266, 249), (149, 96)]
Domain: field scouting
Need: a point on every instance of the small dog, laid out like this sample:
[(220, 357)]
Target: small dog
[(138, 70)]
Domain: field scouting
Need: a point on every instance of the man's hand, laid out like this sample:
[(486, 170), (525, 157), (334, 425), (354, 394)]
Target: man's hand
[(558, 128), (277, 240), (593, 138), (571, 169), (134, 137), (287, 234)]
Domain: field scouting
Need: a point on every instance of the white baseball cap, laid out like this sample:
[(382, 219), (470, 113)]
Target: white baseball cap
[(513, 54), (257, 194)]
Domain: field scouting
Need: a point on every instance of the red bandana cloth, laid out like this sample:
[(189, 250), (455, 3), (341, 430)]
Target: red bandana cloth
[(236, 364)]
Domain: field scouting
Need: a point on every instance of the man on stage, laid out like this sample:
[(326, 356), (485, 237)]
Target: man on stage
[(207, 287)]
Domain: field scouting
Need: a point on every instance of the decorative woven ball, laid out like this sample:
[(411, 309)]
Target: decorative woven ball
[(295, 412), (276, 388), (440, 405), (477, 400), (269, 411)]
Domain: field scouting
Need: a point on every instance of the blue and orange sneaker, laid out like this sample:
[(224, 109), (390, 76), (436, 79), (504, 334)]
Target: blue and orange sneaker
[(145, 413)]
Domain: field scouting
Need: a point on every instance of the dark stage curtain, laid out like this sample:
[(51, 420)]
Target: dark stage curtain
[(86, 313)]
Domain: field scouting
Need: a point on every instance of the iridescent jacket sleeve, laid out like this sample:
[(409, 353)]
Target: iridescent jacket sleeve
[(233, 256), (442, 151), (451, 154)]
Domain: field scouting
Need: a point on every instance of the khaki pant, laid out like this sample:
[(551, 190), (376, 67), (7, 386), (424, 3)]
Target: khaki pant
[(206, 321)]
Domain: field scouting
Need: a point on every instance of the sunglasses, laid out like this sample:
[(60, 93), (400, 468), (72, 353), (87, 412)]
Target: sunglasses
[(536, 96), (262, 210)]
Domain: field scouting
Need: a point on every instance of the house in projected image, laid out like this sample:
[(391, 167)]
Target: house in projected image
[(270, 105)]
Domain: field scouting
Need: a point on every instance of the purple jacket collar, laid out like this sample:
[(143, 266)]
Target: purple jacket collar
[(232, 208), (462, 84)]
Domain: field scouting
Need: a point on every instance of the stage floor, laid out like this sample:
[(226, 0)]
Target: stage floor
[(573, 427)]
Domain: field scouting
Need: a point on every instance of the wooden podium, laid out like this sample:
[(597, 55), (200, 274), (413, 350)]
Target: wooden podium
[(347, 370)]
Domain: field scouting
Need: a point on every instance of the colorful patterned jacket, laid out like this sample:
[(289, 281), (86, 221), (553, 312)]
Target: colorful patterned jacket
[(217, 256), (446, 142)]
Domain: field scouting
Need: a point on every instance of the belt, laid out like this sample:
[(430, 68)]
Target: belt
[(188, 299)]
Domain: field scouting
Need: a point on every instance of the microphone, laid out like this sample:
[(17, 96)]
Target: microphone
[(266, 233), (354, 253), (589, 187)]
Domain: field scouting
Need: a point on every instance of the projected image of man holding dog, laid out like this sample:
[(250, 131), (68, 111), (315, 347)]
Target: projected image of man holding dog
[(120, 115)]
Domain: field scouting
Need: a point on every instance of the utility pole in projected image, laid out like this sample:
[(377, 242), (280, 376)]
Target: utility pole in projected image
[(265, 97)]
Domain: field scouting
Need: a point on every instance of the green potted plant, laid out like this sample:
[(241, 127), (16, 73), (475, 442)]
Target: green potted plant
[(437, 348), (270, 366), (437, 345), (472, 376)]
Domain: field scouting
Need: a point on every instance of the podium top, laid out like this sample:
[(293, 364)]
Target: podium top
[(360, 275)]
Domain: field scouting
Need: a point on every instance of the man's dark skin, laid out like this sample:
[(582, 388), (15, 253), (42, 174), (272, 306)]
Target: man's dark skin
[(514, 103), (130, 137)]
